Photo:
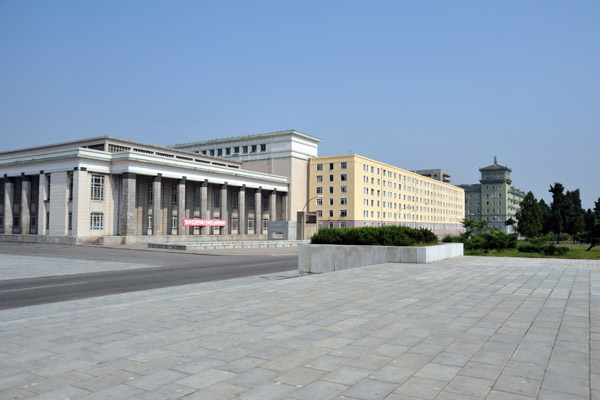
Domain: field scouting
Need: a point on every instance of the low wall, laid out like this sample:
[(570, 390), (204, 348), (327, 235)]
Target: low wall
[(226, 245), (145, 239), (46, 239), (322, 258)]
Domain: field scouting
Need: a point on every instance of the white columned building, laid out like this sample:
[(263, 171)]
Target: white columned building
[(122, 191)]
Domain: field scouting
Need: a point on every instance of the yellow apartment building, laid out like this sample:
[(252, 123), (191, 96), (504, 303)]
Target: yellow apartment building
[(353, 191)]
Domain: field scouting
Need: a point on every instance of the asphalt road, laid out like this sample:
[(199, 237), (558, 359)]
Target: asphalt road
[(171, 269)]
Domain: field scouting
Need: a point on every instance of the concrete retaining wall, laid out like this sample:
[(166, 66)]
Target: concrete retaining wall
[(322, 258), (53, 239), (145, 239)]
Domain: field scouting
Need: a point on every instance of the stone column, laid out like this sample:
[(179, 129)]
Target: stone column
[(284, 206), (242, 225), (273, 205), (156, 205), (258, 211), (204, 205), (181, 230), (127, 215), (9, 185), (42, 196), (224, 210), (25, 203), (59, 212), (80, 205)]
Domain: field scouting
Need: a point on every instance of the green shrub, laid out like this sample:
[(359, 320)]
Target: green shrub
[(380, 236), (553, 250), (451, 239), (530, 248)]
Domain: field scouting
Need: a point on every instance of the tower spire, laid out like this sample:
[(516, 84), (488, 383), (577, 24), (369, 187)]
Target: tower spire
[(495, 159)]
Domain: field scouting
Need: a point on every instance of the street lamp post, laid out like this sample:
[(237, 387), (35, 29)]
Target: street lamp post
[(320, 196)]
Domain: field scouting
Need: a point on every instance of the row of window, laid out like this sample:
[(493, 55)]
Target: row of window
[(343, 165), (487, 203), (343, 178), (227, 151)]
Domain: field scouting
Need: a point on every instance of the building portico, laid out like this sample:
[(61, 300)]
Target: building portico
[(101, 187)]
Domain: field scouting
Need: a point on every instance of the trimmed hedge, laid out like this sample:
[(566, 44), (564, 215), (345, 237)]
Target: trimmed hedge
[(375, 236), (548, 249)]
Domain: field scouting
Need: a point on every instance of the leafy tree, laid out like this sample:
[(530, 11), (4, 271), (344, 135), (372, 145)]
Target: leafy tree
[(592, 236), (556, 218), (529, 217), (574, 214), (597, 209), (545, 213)]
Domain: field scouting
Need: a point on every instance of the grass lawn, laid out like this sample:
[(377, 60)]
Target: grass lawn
[(577, 252)]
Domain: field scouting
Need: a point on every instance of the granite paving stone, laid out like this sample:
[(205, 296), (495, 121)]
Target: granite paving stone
[(465, 328)]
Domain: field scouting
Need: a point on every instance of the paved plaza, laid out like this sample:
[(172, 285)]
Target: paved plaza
[(465, 328)]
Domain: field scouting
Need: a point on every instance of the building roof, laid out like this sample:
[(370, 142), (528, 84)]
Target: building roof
[(245, 137), (495, 167)]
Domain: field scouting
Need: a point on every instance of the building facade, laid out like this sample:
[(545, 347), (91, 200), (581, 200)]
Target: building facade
[(493, 199), (284, 153), (111, 187), (438, 174), (355, 191)]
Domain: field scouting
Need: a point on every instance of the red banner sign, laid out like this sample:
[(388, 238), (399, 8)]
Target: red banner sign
[(204, 222)]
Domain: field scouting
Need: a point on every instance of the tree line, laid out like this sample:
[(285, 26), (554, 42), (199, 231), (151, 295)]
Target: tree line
[(564, 215)]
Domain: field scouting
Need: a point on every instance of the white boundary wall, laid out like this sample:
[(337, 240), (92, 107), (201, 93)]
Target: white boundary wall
[(323, 258)]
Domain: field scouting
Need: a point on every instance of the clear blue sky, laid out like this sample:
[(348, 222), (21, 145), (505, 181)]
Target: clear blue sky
[(417, 84)]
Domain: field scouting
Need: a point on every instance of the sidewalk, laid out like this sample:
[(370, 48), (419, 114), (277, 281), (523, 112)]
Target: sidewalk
[(465, 328)]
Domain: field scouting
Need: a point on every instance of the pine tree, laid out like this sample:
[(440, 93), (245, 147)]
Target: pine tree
[(529, 217)]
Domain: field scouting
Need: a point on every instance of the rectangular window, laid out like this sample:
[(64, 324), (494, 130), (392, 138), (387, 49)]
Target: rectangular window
[(319, 178), (251, 224), (319, 202), (228, 151), (70, 221), (343, 177), (319, 213), (33, 221), (235, 195), (319, 189), (174, 193), (330, 213), (149, 221), (173, 221), (250, 201), (331, 223), (97, 187), (150, 192), (330, 166), (96, 221), (197, 196), (254, 148), (245, 149), (217, 197), (212, 152), (265, 224), (70, 178), (343, 189), (342, 224), (47, 221), (331, 189), (343, 213), (48, 176), (234, 224), (219, 152), (330, 202), (319, 167), (343, 201), (236, 150), (330, 178), (263, 147), (265, 203), (343, 165)]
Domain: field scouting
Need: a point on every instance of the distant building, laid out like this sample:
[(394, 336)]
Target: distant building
[(438, 174), (283, 153), (355, 191), (493, 199)]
